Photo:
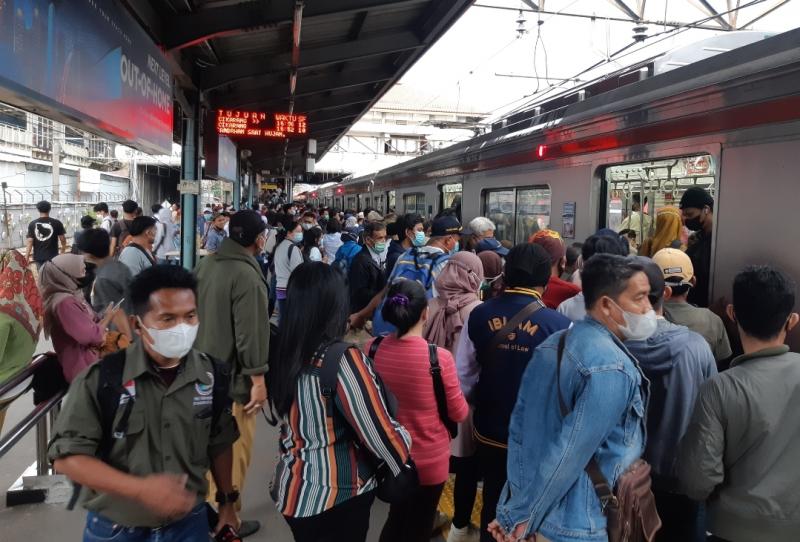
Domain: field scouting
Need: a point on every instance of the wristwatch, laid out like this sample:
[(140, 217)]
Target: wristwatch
[(227, 498)]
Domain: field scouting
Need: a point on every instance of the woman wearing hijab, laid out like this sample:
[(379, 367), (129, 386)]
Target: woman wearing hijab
[(669, 226), (77, 333), (20, 311), (458, 287), (165, 235), (493, 274)]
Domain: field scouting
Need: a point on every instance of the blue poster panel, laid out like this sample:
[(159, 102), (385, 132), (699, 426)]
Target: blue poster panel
[(86, 62)]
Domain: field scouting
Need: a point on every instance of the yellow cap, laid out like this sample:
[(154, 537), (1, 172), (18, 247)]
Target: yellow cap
[(675, 264)]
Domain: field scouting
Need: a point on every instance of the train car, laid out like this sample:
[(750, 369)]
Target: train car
[(729, 123)]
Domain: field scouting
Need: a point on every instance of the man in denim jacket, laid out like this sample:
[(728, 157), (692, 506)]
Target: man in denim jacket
[(548, 493)]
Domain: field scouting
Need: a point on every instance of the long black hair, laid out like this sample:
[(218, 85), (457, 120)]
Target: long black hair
[(311, 238), (405, 302), (315, 313)]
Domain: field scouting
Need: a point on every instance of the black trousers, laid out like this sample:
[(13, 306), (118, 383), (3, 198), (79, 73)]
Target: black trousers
[(412, 521), (681, 518), (465, 488), (492, 464), (346, 522)]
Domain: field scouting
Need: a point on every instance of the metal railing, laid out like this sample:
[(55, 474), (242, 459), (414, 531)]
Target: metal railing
[(36, 418)]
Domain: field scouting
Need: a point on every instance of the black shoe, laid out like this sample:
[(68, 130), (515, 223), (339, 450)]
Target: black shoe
[(249, 527)]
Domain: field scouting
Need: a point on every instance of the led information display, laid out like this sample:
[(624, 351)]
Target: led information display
[(260, 124)]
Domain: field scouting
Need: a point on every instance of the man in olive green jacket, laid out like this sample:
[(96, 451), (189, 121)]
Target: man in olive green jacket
[(742, 446), (234, 326)]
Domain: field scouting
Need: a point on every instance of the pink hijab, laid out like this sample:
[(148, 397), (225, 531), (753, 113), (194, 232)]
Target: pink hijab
[(457, 290), (59, 280)]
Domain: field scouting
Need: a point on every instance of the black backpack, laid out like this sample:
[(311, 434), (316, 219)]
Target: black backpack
[(111, 391)]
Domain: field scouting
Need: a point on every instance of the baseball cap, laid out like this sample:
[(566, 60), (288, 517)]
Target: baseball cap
[(445, 225), (492, 244), (245, 227), (551, 241), (675, 265)]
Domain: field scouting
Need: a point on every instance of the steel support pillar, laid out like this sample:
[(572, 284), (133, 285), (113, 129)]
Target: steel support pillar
[(190, 171)]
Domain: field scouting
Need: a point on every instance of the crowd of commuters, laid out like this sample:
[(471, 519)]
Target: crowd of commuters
[(542, 374)]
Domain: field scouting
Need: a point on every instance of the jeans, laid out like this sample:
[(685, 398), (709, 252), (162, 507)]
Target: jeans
[(345, 522), (412, 520), (492, 464), (192, 528)]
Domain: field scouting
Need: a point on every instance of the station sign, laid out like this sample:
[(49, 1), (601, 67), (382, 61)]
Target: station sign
[(260, 124), (189, 187), (88, 64)]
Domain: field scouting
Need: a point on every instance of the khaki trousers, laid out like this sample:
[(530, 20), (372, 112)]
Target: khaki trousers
[(242, 451)]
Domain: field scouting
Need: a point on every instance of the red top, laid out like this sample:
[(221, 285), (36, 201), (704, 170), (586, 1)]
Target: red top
[(405, 369), (558, 291)]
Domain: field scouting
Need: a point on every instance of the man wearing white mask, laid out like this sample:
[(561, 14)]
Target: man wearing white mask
[(234, 327), (367, 274), (580, 408), (140, 428)]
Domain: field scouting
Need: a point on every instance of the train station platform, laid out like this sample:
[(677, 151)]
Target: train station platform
[(49, 522)]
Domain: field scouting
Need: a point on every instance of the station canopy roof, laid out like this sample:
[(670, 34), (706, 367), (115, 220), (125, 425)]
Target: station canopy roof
[(242, 55)]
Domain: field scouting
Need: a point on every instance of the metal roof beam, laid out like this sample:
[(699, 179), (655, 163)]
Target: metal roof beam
[(190, 29), (715, 14), (316, 57), (305, 87), (767, 12), (311, 104), (626, 9)]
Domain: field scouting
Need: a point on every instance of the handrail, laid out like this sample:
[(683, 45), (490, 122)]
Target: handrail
[(27, 423), (22, 375)]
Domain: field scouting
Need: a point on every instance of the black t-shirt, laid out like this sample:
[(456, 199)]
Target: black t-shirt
[(45, 233)]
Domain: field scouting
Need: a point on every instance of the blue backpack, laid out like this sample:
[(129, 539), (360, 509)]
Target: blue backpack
[(411, 265), (345, 255)]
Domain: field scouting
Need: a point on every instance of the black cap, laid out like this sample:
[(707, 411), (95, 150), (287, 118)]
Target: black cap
[(141, 224), (527, 266), (245, 226), (655, 276), (445, 225), (696, 198)]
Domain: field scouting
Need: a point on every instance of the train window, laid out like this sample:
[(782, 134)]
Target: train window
[(352, 203), (518, 212), (391, 203), (450, 197), (414, 203), (649, 186)]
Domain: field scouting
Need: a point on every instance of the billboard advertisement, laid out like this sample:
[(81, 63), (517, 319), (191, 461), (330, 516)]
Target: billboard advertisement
[(86, 62), (220, 155)]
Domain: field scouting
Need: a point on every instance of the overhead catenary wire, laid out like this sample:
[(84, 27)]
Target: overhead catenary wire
[(668, 33)]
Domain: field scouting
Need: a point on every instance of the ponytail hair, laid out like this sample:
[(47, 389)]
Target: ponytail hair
[(405, 303)]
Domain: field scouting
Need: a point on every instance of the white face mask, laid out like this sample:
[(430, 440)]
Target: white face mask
[(638, 327), (172, 343)]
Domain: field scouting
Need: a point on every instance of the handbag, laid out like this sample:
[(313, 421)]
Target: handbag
[(438, 384), (392, 488), (630, 510)]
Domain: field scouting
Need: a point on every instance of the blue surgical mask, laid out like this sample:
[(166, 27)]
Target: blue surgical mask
[(419, 239), (298, 237), (455, 248)]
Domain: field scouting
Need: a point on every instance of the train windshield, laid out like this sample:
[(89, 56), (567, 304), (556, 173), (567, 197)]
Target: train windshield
[(636, 192)]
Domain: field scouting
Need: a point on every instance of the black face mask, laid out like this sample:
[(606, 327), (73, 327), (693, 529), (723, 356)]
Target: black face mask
[(694, 224)]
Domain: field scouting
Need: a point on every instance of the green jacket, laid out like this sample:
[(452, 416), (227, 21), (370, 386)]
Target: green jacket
[(169, 429), (233, 311), (742, 447)]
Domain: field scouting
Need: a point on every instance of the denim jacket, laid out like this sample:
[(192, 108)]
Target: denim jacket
[(606, 393)]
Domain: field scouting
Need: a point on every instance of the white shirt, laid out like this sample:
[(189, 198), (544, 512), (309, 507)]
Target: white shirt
[(283, 265), (573, 308)]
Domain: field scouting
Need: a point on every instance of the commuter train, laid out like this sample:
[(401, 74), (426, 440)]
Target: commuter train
[(729, 123)]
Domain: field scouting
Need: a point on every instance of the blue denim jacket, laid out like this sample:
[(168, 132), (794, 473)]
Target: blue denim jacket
[(603, 386)]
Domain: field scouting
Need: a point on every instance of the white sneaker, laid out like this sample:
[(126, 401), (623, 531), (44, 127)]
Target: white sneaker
[(465, 534)]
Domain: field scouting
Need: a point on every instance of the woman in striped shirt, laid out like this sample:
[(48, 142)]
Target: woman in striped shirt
[(403, 362), (325, 478)]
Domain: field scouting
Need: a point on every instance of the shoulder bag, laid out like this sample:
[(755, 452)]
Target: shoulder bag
[(511, 325), (630, 510)]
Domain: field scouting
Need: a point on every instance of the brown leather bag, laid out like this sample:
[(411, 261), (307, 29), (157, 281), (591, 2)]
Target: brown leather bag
[(631, 513)]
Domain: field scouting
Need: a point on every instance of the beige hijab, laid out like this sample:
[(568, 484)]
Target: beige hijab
[(457, 290), (58, 280)]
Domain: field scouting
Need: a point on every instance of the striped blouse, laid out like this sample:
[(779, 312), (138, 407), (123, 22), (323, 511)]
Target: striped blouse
[(326, 460)]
